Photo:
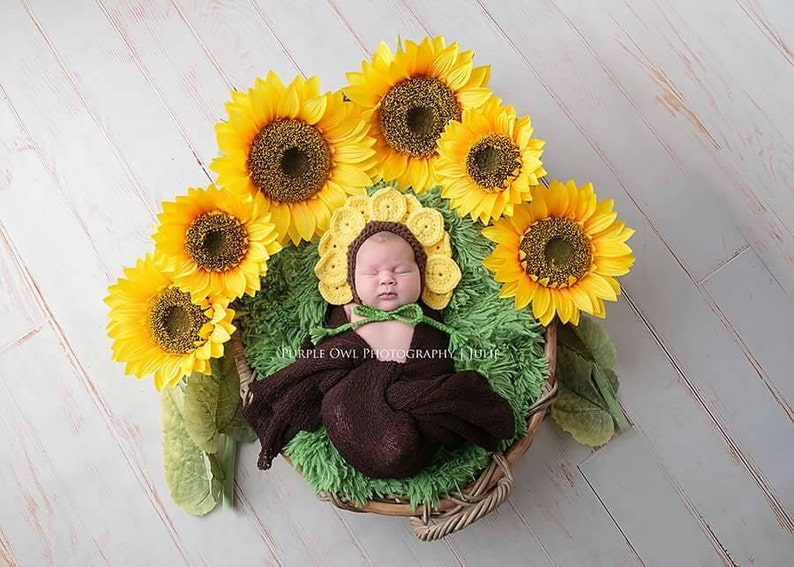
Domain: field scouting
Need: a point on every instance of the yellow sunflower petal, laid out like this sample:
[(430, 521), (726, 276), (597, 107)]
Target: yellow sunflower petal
[(523, 293), (304, 220), (541, 301)]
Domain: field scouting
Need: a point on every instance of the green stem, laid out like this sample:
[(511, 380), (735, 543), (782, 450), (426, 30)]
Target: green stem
[(610, 398), (229, 459)]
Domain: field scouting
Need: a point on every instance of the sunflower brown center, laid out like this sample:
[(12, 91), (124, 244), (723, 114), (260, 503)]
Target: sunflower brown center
[(492, 161), (414, 113), (175, 322), (558, 249), (289, 161), (216, 241)]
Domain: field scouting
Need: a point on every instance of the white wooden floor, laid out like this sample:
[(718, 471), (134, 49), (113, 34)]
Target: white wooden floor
[(680, 111)]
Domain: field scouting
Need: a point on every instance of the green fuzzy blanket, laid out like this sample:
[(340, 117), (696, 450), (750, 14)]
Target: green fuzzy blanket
[(502, 343)]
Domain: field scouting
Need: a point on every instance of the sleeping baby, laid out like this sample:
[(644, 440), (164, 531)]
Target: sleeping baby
[(381, 378)]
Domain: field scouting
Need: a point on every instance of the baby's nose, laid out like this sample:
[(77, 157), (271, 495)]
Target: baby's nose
[(386, 277)]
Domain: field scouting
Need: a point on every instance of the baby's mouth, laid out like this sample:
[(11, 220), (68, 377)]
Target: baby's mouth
[(387, 294)]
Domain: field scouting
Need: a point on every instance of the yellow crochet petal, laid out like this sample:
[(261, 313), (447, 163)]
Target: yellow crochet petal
[(387, 205), (427, 225), (336, 294), (436, 300), (346, 224), (332, 269), (361, 204), (412, 205), (441, 274), (443, 247), (329, 243)]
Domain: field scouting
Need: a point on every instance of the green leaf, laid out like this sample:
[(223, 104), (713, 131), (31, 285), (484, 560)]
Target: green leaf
[(585, 421), (188, 470), (568, 338), (576, 374), (613, 378), (590, 341), (211, 402), (239, 430), (228, 458)]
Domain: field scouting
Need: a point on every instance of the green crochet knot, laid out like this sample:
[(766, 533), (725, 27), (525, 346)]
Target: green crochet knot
[(410, 313)]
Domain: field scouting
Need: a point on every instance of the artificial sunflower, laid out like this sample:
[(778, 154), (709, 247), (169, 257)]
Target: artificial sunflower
[(216, 244), (158, 328), (561, 252), (303, 151), (488, 161), (409, 97)]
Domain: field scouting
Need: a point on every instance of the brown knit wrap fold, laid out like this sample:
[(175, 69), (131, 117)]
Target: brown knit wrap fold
[(373, 227), (386, 419)]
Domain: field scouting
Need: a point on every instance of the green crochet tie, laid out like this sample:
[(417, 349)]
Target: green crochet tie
[(410, 313)]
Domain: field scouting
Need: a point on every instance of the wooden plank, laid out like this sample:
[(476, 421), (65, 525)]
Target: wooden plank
[(677, 59), (171, 59), (665, 401), (62, 470), (71, 147), (647, 505), (602, 145), (754, 52), (110, 86), (558, 505), (389, 540), (237, 39), (760, 316), (6, 553), (327, 48), (773, 20), (19, 313), (306, 530), (501, 534)]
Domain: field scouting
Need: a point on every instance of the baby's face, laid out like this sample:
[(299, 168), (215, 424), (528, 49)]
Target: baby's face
[(386, 274)]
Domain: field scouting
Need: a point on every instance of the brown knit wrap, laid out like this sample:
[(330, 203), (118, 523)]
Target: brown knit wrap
[(374, 227), (387, 419)]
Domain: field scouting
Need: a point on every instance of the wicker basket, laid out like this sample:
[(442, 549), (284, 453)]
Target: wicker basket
[(460, 509)]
